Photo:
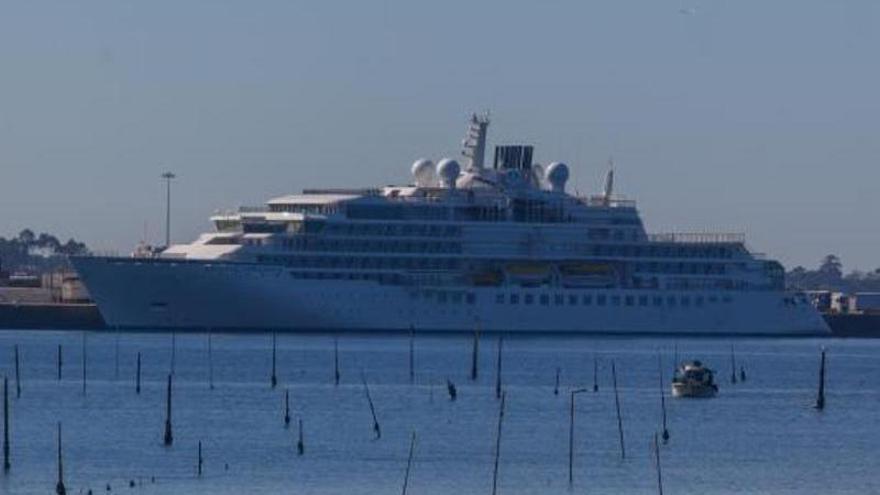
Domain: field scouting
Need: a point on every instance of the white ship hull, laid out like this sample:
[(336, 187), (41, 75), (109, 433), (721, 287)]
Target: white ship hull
[(164, 294)]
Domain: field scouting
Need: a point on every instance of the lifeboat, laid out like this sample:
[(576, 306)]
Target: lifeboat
[(529, 274), (587, 275), (487, 278)]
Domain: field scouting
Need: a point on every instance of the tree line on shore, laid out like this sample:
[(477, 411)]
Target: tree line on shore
[(37, 253), (830, 276)]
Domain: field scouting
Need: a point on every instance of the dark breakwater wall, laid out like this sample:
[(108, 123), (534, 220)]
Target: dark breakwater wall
[(87, 317), (854, 325), (50, 316)]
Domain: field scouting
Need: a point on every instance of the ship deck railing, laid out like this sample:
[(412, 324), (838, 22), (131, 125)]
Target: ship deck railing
[(102, 253), (368, 191), (699, 237), (602, 201), (253, 209)]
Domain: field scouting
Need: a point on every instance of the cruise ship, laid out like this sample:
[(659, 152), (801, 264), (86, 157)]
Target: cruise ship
[(499, 247)]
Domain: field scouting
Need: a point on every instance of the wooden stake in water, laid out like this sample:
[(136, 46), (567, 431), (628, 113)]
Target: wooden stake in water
[(376, 428), (617, 406), (17, 375), (200, 461), (571, 434), (137, 382), (273, 380), (556, 387), (409, 459), (498, 368), (450, 387), (595, 374), (820, 398), (412, 354), (6, 463), (60, 362), (662, 398), (498, 444), (657, 463), (742, 373), (300, 444), (173, 350), (732, 365), (169, 438), (59, 487), (475, 354), (336, 361), (286, 408)]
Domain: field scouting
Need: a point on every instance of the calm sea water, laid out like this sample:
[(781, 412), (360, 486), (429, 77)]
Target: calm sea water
[(761, 436)]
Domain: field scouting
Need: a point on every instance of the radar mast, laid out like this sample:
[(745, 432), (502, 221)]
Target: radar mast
[(475, 142), (609, 183)]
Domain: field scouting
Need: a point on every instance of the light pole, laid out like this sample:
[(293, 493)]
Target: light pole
[(168, 176), (571, 436)]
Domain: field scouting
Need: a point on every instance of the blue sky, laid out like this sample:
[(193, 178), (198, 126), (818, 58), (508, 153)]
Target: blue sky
[(737, 115)]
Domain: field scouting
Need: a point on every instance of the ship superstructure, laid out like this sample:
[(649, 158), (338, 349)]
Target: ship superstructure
[(501, 247)]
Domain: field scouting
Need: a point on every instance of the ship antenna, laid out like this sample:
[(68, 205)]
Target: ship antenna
[(609, 183), (475, 141)]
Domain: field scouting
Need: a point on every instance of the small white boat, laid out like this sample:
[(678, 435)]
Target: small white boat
[(692, 379)]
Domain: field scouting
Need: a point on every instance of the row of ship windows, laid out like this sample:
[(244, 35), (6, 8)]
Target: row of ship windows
[(691, 268), (414, 229), (398, 279), (343, 229), (452, 263), (323, 243), (448, 231), (416, 212), (604, 234), (614, 300), (348, 262), (593, 234), (664, 251), (360, 246), (330, 209), (382, 278), (457, 297), (519, 210), (423, 230)]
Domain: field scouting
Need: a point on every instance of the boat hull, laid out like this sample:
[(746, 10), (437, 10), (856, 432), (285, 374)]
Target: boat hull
[(188, 294), (694, 392)]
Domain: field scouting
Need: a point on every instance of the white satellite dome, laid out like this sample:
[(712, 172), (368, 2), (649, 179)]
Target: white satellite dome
[(423, 171), (557, 176), (448, 170)]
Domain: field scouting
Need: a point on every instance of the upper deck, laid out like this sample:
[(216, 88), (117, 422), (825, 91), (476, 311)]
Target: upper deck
[(469, 224), (515, 207)]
